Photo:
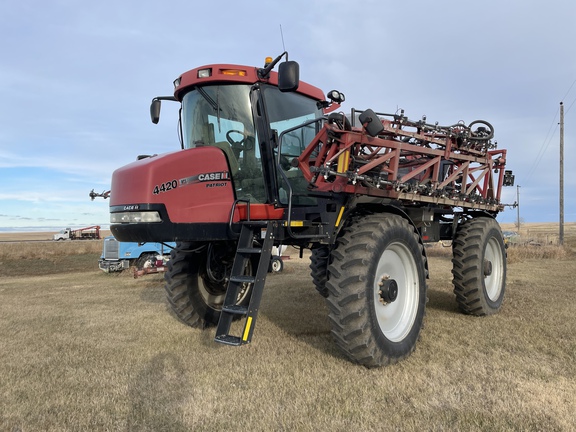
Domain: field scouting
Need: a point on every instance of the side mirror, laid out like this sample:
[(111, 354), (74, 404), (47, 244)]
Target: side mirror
[(371, 123), (155, 110), (288, 76), (155, 107)]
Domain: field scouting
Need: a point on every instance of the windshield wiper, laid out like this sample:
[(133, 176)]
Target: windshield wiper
[(208, 98), (213, 104)]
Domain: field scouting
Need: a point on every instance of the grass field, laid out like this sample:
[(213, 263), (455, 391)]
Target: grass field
[(84, 350), (544, 233)]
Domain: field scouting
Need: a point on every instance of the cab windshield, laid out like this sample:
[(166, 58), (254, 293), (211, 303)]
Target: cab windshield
[(221, 116)]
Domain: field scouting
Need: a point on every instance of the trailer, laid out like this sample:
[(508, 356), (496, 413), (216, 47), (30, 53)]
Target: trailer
[(86, 233)]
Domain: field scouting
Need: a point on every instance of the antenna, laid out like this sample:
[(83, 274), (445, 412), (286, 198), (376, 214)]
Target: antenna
[(282, 36)]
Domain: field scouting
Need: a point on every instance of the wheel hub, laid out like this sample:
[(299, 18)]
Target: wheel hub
[(388, 290), (487, 267)]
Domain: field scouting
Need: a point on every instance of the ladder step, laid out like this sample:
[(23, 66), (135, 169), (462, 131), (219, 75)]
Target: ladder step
[(228, 340), (235, 309), (242, 279)]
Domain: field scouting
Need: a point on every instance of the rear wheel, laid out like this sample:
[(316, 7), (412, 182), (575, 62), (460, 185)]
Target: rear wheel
[(196, 282), (143, 259), (377, 290), (479, 266)]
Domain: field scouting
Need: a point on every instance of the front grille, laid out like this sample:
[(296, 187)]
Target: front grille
[(111, 247)]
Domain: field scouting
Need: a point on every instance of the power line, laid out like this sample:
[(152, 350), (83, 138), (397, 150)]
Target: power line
[(547, 141), (564, 98), (545, 144), (571, 105), (570, 88)]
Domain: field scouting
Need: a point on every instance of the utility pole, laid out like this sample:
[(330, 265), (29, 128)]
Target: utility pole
[(518, 208), (561, 229)]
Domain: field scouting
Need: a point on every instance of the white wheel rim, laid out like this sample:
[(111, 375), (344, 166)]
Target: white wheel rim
[(215, 301), (209, 298), (493, 280), (276, 265), (396, 319)]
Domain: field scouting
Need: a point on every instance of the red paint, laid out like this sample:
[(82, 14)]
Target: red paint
[(188, 202)]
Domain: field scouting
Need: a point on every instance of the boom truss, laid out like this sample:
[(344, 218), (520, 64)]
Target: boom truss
[(393, 157)]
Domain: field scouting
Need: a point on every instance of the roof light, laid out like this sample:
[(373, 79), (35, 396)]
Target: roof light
[(268, 61), (177, 82), (205, 73), (233, 72), (335, 96)]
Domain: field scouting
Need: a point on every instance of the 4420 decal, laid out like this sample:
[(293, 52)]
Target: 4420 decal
[(165, 187)]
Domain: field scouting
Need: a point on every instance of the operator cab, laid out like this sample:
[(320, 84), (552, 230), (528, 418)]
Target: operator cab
[(250, 114)]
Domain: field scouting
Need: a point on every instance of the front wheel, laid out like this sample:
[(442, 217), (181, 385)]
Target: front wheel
[(197, 280), (377, 290), (479, 266)]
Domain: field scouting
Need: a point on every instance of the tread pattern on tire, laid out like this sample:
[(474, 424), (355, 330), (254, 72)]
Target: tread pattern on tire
[(177, 287), (319, 260)]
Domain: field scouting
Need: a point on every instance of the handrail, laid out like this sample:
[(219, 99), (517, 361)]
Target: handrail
[(230, 221)]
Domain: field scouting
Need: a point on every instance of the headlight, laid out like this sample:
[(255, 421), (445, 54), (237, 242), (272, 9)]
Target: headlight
[(205, 73), (135, 217)]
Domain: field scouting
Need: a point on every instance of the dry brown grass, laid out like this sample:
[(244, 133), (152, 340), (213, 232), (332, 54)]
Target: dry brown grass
[(91, 351), (531, 252), (48, 250), (515, 253), (544, 234), (39, 258), (536, 242)]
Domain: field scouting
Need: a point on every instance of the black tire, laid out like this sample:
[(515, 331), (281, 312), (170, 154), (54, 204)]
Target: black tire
[(319, 260), (194, 295), (142, 259), (374, 328), (479, 266)]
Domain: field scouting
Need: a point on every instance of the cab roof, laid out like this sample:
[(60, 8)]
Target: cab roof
[(230, 73)]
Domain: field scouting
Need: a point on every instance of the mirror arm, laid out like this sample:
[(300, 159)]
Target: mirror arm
[(155, 107)]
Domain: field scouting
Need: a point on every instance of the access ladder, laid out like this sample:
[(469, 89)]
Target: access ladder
[(245, 251)]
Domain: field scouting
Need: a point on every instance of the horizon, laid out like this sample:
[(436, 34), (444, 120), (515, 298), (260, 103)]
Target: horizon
[(106, 227)]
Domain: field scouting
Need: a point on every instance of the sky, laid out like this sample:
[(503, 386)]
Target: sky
[(77, 78)]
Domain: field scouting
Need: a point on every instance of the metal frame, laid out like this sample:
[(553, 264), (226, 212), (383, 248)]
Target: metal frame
[(408, 161)]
